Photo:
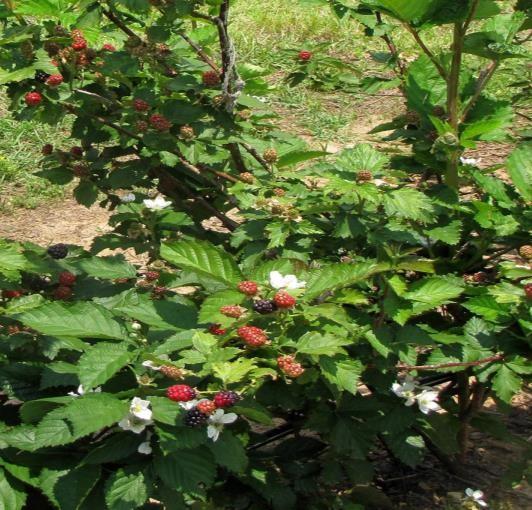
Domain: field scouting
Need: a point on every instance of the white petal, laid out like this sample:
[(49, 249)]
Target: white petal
[(276, 280), (72, 394), (290, 282), (478, 494), (81, 391), (145, 448), (213, 432), (469, 492), (151, 364), (188, 405), (481, 502), (229, 418), (98, 389)]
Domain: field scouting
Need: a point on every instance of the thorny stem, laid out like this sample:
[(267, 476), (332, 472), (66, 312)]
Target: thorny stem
[(484, 361), (399, 64), (427, 51), (483, 80)]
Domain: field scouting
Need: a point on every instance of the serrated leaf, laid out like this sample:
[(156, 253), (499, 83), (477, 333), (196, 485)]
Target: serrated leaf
[(295, 157), (126, 490), (12, 261), (506, 383), (409, 204), (229, 452), (359, 158), (450, 234), (487, 307), (519, 166), (342, 372), (70, 490), (232, 372), (101, 362), (317, 344), (12, 493), (435, 291), (82, 320), (186, 469), (108, 268), (409, 449), (203, 258), (336, 276)]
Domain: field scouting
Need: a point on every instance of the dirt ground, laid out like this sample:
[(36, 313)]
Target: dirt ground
[(429, 486)]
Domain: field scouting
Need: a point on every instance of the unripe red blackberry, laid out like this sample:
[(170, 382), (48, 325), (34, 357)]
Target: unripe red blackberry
[(206, 407), (79, 44), (54, 80), (244, 114), (11, 294), (412, 117), (108, 47), (33, 98), (526, 252), (253, 336), (159, 122), (364, 176), (479, 277), (80, 170), (58, 251), (187, 132), (247, 177), (51, 48), (248, 288), (47, 149), (305, 55), (528, 290), (290, 366), (438, 111), (210, 78), (82, 60), (233, 311), (279, 192), (270, 156), (264, 306), (67, 278), (63, 292), (172, 372), (27, 50), (76, 152), (140, 105), (151, 276), (163, 49), (284, 300), (195, 418), (181, 393), (215, 329), (141, 126), (224, 399)]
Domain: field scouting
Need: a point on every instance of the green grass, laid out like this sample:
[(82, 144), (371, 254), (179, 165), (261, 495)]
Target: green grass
[(20, 155)]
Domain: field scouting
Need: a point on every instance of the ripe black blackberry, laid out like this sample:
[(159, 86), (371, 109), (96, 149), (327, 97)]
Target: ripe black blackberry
[(195, 418), (58, 251), (264, 306), (36, 283), (41, 76)]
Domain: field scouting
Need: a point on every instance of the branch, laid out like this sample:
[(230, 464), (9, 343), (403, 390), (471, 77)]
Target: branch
[(392, 47), (200, 52), (483, 80), (253, 152), (471, 15), (427, 51), (491, 359)]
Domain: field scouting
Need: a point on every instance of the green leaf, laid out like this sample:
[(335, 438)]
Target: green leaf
[(317, 344), (229, 452), (70, 490), (361, 157), (410, 204), (506, 383), (108, 268), (82, 319), (450, 234), (337, 276), (342, 372), (12, 494), (184, 470), (487, 307), (232, 372), (435, 291), (203, 258), (86, 193), (519, 167), (101, 362), (295, 157), (12, 261), (409, 449), (126, 490)]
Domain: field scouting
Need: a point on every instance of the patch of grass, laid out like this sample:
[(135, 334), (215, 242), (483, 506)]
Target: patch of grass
[(20, 155)]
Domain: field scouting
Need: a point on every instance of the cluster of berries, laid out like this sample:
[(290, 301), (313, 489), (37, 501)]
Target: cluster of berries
[(64, 289), (289, 366), (201, 411)]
